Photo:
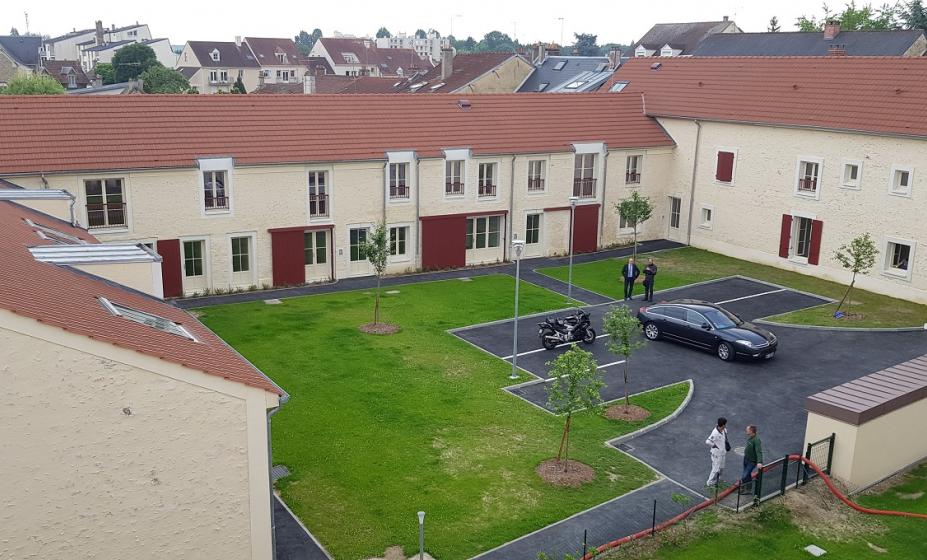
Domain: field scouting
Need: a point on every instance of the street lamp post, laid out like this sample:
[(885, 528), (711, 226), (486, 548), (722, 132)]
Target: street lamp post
[(518, 246), (421, 535), (573, 201)]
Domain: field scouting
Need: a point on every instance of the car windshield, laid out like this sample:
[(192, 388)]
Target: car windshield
[(721, 319)]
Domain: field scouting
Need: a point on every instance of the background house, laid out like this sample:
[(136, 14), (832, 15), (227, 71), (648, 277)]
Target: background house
[(674, 39), (68, 73), (428, 47), (570, 74), (214, 66), (278, 57), (361, 57), (18, 55), (498, 72), (70, 45)]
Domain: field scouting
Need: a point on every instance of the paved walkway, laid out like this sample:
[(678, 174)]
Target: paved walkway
[(293, 541), (366, 282)]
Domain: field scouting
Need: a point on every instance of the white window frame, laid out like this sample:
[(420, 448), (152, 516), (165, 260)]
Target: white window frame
[(540, 214), (214, 55), (462, 155), (252, 254), (701, 213), (896, 169), (407, 256), (366, 226), (494, 167), (475, 220), (816, 195), (639, 170), (82, 189), (545, 164), (216, 164), (679, 215), (793, 236), (897, 272), (851, 183), (328, 236), (329, 175), (207, 270), (733, 167), (396, 158)]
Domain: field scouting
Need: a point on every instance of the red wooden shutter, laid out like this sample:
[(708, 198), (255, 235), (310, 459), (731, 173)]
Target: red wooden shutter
[(586, 228), (171, 277), (785, 236), (725, 169), (444, 242), (288, 257), (814, 253)]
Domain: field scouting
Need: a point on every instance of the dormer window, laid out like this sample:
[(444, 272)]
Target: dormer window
[(281, 58), (350, 58), (214, 55)]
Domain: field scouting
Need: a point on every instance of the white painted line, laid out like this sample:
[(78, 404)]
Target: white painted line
[(611, 364), (520, 354), (751, 296)]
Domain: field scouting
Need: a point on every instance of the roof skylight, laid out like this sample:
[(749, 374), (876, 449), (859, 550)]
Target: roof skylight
[(560, 65), (576, 84), (147, 319), (543, 85), (618, 86)]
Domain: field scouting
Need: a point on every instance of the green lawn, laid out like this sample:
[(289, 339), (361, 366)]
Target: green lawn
[(774, 531), (679, 267), (379, 428)]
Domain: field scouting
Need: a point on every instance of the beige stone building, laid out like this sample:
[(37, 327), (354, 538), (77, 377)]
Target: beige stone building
[(128, 425)]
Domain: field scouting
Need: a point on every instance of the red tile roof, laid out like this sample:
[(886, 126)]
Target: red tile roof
[(367, 53), (465, 69), (266, 49), (156, 131), (65, 298), (869, 94), (61, 69)]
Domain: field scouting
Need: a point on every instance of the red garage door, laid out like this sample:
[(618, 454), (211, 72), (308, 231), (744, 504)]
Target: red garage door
[(444, 242), (171, 278), (586, 228), (288, 256)]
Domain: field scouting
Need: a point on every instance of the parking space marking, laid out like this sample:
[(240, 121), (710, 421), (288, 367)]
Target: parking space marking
[(611, 364), (520, 354), (752, 296)]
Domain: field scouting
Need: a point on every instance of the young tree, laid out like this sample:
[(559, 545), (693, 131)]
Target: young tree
[(106, 72), (420, 34), (132, 60), (159, 79), (913, 14), (238, 87), (383, 33), (774, 26), (585, 45), (857, 257), (377, 251), (28, 84), (865, 18), (575, 386), (635, 211), (624, 337), (14, 32)]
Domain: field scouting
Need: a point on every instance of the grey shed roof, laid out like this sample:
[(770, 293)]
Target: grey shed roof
[(25, 49), (108, 46), (857, 43), (573, 66), (683, 36)]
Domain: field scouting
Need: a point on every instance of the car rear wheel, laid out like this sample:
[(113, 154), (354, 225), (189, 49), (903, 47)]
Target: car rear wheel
[(725, 351), (651, 331)]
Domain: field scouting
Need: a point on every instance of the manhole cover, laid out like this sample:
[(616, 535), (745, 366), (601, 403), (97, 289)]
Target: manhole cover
[(625, 447), (272, 301), (278, 471)]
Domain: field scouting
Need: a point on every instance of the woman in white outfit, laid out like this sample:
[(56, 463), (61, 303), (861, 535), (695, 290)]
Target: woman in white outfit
[(717, 444)]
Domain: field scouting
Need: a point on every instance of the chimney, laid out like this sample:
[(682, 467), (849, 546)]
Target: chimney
[(542, 53), (725, 18), (614, 59), (831, 29), (237, 40), (447, 63), (308, 83), (99, 35), (837, 50)]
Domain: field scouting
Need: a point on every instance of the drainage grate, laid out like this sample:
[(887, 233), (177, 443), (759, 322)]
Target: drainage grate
[(625, 447), (278, 471)]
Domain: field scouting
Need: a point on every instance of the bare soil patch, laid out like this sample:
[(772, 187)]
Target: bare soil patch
[(379, 328), (627, 412), (818, 512), (565, 473), (397, 553)]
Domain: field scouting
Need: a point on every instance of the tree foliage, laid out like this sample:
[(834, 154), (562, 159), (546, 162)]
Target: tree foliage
[(131, 61), (383, 33), (857, 257), (14, 32), (624, 337), (853, 18), (774, 26), (420, 34), (576, 386), (585, 45), (238, 87), (377, 250), (305, 41), (494, 41), (159, 79), (913, 14), (106, 72), (28, 84), (635, 211)]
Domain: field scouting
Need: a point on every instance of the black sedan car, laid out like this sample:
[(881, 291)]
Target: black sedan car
[(707, 326)]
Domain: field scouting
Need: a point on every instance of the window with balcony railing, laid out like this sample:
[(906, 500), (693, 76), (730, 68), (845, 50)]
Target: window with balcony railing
[(584, 176), (487, 180), (808, 173), (398, 180), (535, 176), (632, 174), (106, 207), (318, 194), (453, 178), (214, 190)]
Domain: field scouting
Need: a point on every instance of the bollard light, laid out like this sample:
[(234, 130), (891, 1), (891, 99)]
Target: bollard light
[(573, 201), (421, 535), (518, 247)]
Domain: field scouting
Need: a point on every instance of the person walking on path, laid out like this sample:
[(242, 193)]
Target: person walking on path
[(753, 457), (649, 272), (629, 272), (718, 446)]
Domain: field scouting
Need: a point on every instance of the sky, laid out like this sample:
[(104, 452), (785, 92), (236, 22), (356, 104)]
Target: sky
[(614, 21)]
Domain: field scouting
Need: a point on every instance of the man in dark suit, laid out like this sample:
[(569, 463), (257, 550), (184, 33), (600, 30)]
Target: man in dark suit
[(629, 272)]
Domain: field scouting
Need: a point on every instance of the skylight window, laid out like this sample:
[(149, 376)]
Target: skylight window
[(618, 86), (560, 65), (543, 85), (436, 86), (576, 84), (419, 85), (146, 319), (601, 67), (53, 234), (350, 58)]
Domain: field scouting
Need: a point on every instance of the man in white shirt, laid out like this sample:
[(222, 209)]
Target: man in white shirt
[(717, 443)]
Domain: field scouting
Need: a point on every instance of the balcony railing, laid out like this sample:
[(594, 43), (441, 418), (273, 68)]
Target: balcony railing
[(453, 187), (808, 184), (318, 205), (536, 184), (487, 190), (632, 177), (399, 190), (584, 188), (106, 215), (216, 202)]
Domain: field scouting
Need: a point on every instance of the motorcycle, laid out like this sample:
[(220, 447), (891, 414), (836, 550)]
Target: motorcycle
[(572, 328)]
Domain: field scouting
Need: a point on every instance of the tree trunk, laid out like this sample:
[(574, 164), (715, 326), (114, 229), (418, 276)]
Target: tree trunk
[(627, 399), (634, 249), (846, 294), (376, 306), (565, 437), (566, 451)]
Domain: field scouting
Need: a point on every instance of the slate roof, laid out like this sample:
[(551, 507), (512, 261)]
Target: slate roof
[(316, 63), (24, 49), (573, 65), (387, 60), (230, 54), (266, 49), (857, 43), (583, 82), (70, 34), (465, 68), (886, 95), (61, 69), (682, 36), (163, 131), (188, 71), (63, 297)]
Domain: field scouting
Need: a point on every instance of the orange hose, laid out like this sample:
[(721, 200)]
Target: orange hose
[(672, 521)]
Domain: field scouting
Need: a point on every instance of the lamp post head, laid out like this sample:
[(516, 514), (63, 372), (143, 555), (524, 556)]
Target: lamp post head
[(421, 517), (518, 246), (574, 200)]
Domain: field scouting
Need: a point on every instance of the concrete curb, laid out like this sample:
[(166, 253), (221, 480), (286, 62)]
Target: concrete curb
[(841, 329), (650, 427)]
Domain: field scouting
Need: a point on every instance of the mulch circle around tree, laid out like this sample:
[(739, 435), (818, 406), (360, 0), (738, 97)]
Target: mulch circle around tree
[(379, 328), (574, 475), (628, 413)]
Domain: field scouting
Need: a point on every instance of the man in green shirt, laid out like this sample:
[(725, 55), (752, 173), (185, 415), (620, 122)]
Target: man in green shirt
[(753, 456)]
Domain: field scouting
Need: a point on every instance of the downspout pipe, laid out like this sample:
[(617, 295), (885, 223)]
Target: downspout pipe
[(385, 187), (418, 222), (270, 465), (602, 210), (698, 136)]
